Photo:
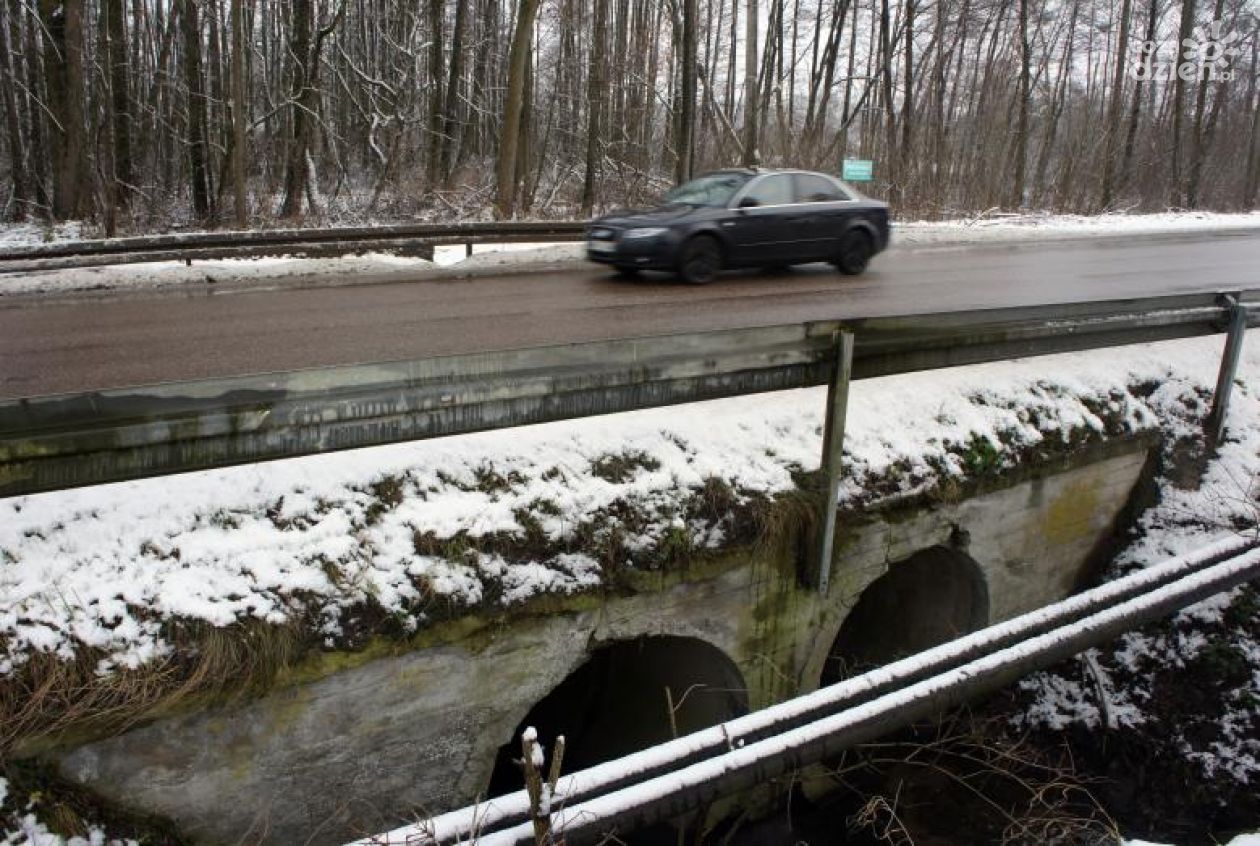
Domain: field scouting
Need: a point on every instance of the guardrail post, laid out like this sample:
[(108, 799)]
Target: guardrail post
[(833, 449), (1229, 368)]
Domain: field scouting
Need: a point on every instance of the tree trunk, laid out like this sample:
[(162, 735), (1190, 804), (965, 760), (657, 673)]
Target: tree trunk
[(240, 113), (509, 133), (1135, 109), (295, 180), (1021, 125), (846, 114), (1177, 189), (1251, 179), (120, 101), (1117, 101), (433, 153), (887, 78), (1201, 134), (13, 125), (824, 77), (649, 87), (595, 90), (63, 64), (905, 155), (751, 154), (41, 153), (686, 140), (732, 54), (451, 101), (194, 90)]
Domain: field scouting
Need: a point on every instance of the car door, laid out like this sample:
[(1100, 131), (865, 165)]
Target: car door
[(822, 206), (758, 225)]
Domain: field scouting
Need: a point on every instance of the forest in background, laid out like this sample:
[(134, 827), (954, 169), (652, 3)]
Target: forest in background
[(146, 115)]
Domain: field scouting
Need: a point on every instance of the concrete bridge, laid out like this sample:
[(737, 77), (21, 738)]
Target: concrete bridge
[(365, 741)]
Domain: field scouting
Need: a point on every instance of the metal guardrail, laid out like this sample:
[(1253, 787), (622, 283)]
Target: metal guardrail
[(64, 441), (407, 239), (415, 239)]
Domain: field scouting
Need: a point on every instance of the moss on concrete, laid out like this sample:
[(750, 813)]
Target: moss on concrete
[(775, 534)]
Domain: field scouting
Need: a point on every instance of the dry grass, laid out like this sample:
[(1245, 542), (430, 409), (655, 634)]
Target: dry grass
[(970, 774), (50, 696), (51, 699)]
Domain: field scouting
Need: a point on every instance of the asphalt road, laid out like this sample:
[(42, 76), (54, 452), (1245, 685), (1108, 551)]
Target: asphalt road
[(67, 344)]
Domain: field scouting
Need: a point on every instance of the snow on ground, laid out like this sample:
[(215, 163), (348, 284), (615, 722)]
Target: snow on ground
[(1215, 643), (20, 825), (28, 234), (1019, 227), (420, 526), (451, 262), (106, 567), (167, 274), (507, 255), (1240, 840)]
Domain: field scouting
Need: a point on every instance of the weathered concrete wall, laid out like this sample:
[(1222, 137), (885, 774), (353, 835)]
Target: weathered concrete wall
[(358, 750)]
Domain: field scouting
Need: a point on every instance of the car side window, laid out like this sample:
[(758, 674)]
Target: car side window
[(811, 188), (772, 191)]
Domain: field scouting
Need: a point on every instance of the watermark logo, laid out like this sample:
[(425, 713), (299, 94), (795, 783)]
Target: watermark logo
[(1206, 56)]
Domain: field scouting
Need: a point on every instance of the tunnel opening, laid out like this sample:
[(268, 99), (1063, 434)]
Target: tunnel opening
[(616, 703), (930, 598)]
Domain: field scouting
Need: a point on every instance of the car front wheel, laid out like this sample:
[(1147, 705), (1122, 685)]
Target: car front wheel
[(701, 260), (854, 253)]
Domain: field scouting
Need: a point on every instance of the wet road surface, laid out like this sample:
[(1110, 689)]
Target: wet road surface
[(76, 343)]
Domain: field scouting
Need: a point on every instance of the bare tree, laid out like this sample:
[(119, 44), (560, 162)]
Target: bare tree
[(240, 112), (1117, 102), (514, 106), (443, 107), (1177, 192), (450, 102), (1020, 155), (750, 85), (120, 77), (436, 120), (13, 125), (685, 160), (304, 97), (194, 89), (595, 104), (64, 88), (1251, 181)]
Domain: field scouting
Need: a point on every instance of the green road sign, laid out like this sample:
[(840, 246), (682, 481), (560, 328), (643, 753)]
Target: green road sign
[(858, 170)]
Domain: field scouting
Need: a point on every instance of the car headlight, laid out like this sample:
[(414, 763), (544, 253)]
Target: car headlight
[(645, 232)]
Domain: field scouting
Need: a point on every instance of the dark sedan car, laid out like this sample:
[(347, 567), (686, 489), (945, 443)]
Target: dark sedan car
[(744, 218)]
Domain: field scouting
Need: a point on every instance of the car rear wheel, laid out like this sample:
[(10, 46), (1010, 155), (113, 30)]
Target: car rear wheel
[(701, 260), (854, 253)]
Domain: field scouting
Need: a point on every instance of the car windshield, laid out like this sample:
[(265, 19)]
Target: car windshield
[(715, 189)]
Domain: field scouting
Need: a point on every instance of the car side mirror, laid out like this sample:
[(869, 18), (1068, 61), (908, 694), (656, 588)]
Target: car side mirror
[(749, 203)]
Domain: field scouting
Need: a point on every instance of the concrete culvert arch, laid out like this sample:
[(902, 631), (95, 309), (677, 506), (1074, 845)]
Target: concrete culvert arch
[(615, 703), (930, 598)]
